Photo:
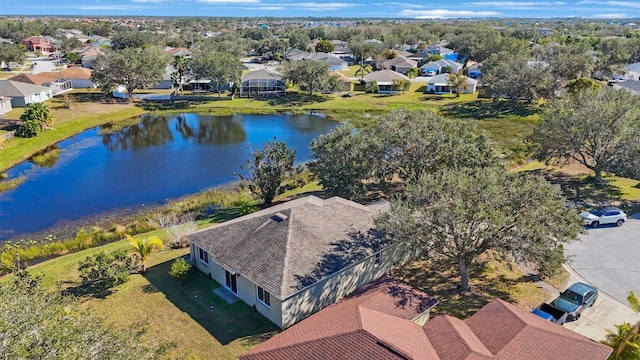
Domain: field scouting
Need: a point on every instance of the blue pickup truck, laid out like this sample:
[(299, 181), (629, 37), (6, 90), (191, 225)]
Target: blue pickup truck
[(569, 305)]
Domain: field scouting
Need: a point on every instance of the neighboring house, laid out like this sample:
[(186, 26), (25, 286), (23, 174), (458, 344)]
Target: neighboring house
[(631, 85), (399, 64), (88, 54), (385, 81), (439, 84), (5, 105), (262, 83), (52, 80), (167, 78), (38, 43), (179, 51), (80, 77), (474, 70), (375, 329), (344, 79), (633, 71), (23, 94), (335, 62), (441, 66), (360, 322), (293, 259)]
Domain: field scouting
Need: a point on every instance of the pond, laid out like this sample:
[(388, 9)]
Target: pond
[(159, 158)]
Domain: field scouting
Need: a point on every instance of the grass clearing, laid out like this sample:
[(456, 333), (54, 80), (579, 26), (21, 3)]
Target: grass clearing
[(202, 324), (493, 277)]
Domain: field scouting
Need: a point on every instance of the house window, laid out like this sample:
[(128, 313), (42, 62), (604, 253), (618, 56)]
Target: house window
[(378, 258), (264, 296), (203, 256)]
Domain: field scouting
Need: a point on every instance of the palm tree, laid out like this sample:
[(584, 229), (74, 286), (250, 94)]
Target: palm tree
[(626, 340), (363, 70), (180, 64), (143, 249), (457, 82)]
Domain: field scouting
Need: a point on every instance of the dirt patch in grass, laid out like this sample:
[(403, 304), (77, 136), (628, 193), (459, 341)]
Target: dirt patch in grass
[(492, 278)]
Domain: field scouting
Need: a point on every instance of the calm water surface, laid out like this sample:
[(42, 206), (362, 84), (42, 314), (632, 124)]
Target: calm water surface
[(147, 163)]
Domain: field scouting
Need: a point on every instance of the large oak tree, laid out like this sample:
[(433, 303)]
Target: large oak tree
[(133, 68), (463, 213), (599, 129)]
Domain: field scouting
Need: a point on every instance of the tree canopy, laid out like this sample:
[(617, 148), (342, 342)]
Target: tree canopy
[(48, 325), (133, 68), (11, 53), (219, 67), (599, 129), (463, 213), (311, 76), (514, 78), (267, 168), (325, 46)]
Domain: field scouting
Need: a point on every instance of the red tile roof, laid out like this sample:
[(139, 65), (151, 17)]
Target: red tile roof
[(372, 325), (375, 322)]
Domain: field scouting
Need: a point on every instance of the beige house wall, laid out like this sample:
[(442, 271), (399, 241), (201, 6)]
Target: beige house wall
[(247, 289), (338, 285)]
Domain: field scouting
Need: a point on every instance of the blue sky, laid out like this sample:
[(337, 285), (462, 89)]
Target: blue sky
[(343, 8)]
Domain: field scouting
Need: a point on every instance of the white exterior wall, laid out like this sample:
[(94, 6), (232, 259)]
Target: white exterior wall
[(340, 284), (82, 84)]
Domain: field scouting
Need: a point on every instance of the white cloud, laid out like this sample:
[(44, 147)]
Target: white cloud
[(268, 8), (149, 1), (111, 7), (442, 13), (518, 5), (630, 4), (229, 1), (610, 16), (322, 6)]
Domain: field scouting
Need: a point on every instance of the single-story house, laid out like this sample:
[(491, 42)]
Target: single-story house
[(177, 51), (48, 79), (293, 259), (344, 79), (88, 54), (334, 61), (633, 71), (262, 83), (386, 80), (5, 105), (23, 94), (440, 67), (399, 64), (374, 328), (630, 85), (80, 77), (439, 84)]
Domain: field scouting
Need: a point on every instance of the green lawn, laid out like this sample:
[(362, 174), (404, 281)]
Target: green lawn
[(202, 325)]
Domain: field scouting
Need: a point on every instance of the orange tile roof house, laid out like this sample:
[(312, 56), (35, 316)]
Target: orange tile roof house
[(38, 43), (295, 258), (375, 323)]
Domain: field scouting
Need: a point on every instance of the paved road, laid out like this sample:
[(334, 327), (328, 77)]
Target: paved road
[(609, 258)]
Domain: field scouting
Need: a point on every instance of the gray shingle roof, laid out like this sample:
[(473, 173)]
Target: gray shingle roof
[(384, 76), (261, 74), (19, 89), (315, 238)]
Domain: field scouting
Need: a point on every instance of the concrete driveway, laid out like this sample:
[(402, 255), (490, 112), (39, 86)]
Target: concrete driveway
[(609, 258)]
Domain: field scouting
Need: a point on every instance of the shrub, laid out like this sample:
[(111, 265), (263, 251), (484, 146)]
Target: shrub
[(180, 269), (28, 129), (39, 113), (105, 270)]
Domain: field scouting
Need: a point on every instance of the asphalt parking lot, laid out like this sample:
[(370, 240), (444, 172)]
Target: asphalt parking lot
[(609, 258)]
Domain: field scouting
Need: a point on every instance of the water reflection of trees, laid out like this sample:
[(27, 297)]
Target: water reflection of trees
[(307, 123), (156, 131), (150, 131)]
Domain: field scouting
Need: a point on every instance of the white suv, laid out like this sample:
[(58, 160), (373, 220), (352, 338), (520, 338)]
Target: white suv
[(605, 215)]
